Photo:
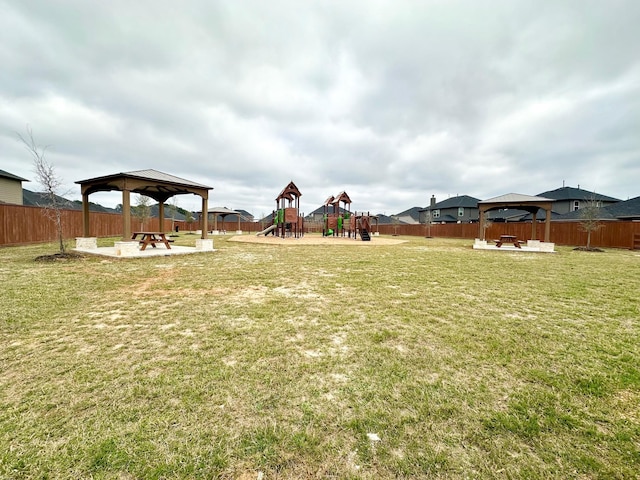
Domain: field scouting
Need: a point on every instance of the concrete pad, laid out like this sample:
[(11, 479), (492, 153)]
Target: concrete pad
[(159, 251), (529, 246)]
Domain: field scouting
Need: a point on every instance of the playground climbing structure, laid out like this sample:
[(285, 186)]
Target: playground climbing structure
[(339, 221), (286, 216)]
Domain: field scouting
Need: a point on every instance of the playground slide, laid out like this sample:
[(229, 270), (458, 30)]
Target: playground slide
[(266, 230)]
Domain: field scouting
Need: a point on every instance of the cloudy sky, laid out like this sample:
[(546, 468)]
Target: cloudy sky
[(392, 101)]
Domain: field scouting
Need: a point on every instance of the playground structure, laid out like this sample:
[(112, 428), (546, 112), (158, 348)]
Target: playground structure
[(337, 221), (287, 221), (340, 222)]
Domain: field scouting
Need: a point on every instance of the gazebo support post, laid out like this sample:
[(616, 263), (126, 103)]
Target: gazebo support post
[(205, 218), (481, 221), (161, 216), (534, 224), (85, 215), (547, 225), (126, 215)]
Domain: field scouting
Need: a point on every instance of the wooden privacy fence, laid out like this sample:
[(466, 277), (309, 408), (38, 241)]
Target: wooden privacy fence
[(615, 234), (25, 224), (21, 225)]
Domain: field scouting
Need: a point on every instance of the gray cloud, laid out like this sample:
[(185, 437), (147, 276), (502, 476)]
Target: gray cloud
[(390, 101)]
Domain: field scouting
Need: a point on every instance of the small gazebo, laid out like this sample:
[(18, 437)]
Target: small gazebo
[(221, 212), (528, 203), (151, 183)]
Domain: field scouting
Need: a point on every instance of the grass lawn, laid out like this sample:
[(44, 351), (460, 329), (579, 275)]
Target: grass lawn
[(421, 360)]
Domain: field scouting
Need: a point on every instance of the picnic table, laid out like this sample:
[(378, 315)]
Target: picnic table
[(151, 238), (508, 239)]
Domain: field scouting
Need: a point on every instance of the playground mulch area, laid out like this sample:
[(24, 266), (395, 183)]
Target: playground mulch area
[(314, 239)]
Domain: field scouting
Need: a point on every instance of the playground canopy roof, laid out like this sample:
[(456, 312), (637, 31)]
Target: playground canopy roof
[(342, 197), (289, 192), (151, 183)]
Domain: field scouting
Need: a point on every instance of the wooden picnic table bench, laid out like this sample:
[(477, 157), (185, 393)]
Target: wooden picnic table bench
[(151, 238), (508, 239)]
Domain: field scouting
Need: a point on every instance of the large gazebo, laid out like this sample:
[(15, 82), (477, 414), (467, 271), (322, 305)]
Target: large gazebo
[(151, 183), (528, 203)]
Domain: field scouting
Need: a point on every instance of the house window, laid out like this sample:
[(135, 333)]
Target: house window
[(576, 205), (461, 211), (436, 214)]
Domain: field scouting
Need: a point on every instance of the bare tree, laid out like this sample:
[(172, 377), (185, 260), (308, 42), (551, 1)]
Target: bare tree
[(50, 182), (173, 207), (142, 210), (486, 225), (590, 218)]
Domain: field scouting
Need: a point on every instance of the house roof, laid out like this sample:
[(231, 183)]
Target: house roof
[(446, 218), (407, 219), (413, 212), (321, 210), (11, 176), (627, 209), (454, 202), (571, 193)]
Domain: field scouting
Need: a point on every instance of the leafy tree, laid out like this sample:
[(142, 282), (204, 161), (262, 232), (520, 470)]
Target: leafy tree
[(50, 182), (142, 209), (188, 217)]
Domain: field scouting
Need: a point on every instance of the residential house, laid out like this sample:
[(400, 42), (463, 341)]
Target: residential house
[(11, 188), (623, 210), (569, 199), (458, 209), (410, 216), (318, 214)]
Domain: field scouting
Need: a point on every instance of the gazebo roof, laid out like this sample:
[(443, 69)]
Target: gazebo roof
[(515, 198), (151, 183), (222, 211)]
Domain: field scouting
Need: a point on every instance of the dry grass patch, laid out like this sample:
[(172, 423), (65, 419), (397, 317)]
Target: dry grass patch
[(425, 359)]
